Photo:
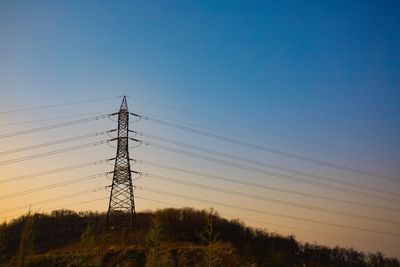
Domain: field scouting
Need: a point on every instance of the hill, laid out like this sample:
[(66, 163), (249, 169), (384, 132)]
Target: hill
[(168, 237)]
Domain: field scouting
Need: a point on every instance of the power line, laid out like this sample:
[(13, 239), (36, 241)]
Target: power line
[(54, 118), (296, 146), (278, 175), (267, 149), (53, 152), (269, 213), (280, 168), (59, 105), (53, 126), (242, 125), (61, 141), (79, 203), (257, 185), (266, 199), (51, 186), (279, 225), (72, 167), (54, 199), (317, 232), (169, 203)]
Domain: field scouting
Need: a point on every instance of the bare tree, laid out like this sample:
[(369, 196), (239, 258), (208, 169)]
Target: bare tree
[(26, 244), (210, 238)]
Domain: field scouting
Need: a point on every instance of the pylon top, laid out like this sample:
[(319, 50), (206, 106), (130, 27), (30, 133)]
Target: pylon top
[(124, 104)]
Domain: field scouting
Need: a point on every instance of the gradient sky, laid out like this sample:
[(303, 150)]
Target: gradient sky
[(326, 71)]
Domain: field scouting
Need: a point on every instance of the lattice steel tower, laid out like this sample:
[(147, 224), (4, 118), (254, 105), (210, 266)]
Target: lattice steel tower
[(121, 209)]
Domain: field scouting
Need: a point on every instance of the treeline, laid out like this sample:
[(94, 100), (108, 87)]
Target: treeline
[(168, 237)]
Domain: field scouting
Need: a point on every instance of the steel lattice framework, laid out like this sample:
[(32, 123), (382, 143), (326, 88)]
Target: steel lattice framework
[(122, 203)]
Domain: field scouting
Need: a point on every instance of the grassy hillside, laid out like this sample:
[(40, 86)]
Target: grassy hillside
[(168, 237)]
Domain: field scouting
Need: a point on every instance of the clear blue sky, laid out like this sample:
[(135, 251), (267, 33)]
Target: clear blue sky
[(332, 65), (327, 71)]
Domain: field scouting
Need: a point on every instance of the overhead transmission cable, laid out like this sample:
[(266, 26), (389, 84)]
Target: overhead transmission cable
[(54, 199), (53, 126), (61, 141), (80, 203), (243, 125), (279, 225), (258, 185), (302, 219), (77, 203), (267, 149), (263, 139), (267, 199), (60, 105), (71, 167), (262, 171), (279, 168), (54, 118), (169, 203), (51, 186), (53, 152)]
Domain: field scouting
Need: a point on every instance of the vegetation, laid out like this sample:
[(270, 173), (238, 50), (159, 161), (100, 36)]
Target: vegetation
[(155, 256), (26, 241), (88, 238), (209, 237), (3, 240), (168, 237)]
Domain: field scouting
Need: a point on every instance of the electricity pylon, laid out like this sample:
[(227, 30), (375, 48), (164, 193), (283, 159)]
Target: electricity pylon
[(121, 209)]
